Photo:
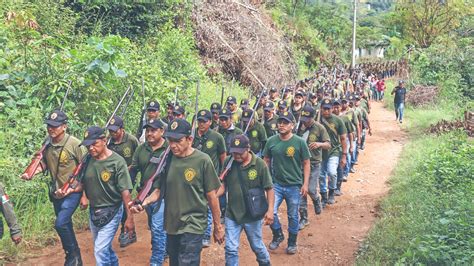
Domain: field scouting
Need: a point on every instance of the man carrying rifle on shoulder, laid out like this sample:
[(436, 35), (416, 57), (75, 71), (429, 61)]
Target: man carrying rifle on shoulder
[(61, 156), (145, 160), (189, 184), (152, 112), (255, 132), (125, 145), (107, 184)]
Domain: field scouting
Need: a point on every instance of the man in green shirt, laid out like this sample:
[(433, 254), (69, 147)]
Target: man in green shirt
[(336, 156), (106, 183), (255, 132), (189, 185), (6, 208), (248, 171), (227, 127), (287, 155), (317, 139), (61, 157), (215, 110), (124, 144), (152, 112), (145, 160), (270, 119), (260, 108), (364, 121), (236, 112), (211, 143)]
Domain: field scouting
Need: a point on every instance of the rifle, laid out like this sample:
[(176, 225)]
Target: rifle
[(35, 162), (231, 160), (78, 171), (143, 114), (162, 164)]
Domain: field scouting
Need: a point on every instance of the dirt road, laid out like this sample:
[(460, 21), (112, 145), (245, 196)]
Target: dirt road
[(331, 238)]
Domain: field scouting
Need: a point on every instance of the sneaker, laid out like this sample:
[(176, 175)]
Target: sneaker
[(338, 192), (352, 170), (206, 242), (128, 239), (344, 178), (303, 223)]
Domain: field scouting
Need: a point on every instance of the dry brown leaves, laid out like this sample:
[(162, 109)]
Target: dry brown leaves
[(445, 126), (421, 95), (241, 41)]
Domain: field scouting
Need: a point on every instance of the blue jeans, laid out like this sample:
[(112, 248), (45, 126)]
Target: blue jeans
[(103, 237), (64, 209), (158, 234), (207, 233), (291, 195), (355, 153), (253, 231), (328, 170), (348, 158), (399, 107)]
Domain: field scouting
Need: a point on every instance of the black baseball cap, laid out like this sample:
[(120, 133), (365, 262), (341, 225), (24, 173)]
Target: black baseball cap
[(178, 128), (273, 90), (216, 107), (336, 102), (287, 116), (225, 113), (344, 99), (269, 106), (171, 104), (204, 115), (92, 134), (247, 114), (178, 110), (56, 118), (307, 113), (239, 144), (154, 123), (300, 93), (231, 99), (115, 123), (153, 105), (326, 103), (282, 104)]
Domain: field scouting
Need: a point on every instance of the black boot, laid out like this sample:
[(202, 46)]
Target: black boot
[(278, 237), (73, 258), (324, 199), (338, 191), (292, 248), (317, 206), (331, 199)]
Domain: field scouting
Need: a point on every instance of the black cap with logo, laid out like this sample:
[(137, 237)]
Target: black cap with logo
[(326, 103), (216, 107), (244, 103), (225, 113), (178, 110), (153, 105), (154, 123), (204, 115), (115, 123), (56, 118), (282, 104), (231, 99), (307, 113), (92, 134), (336, 102), (247, 114), (239, 144), (269, 106), (178, 129), (287, 116)]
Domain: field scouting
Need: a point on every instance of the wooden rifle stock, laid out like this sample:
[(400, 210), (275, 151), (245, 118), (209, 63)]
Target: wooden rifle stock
[(75, 174), (149, 183), (35, 162)]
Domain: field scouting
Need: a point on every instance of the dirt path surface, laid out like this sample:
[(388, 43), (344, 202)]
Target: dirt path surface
[(331, 238)]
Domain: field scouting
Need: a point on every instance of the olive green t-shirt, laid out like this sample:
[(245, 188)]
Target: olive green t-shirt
[(354, 120), (316, 133), (228, 134), (364, 104), (104, 181), (287, 158), (126, 147), (212, 144), (255, 175), (257, 137), (271, 126), (236, 115), (146, 160), (187, 182), (68, 154), (347, 123), (335, 127)]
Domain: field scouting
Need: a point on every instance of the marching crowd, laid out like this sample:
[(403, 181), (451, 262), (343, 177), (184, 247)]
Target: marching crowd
[(227, 171)]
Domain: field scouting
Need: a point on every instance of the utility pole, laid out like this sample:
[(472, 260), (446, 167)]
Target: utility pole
[(354, 24)]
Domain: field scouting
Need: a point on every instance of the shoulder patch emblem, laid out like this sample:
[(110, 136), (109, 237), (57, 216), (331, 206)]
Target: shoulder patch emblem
[(174, 125), (273, 126), (127, 152), (105, 175), (189, 174), (252, 174), (209, 144), (63, 157), (290, 151), (254, 133)]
